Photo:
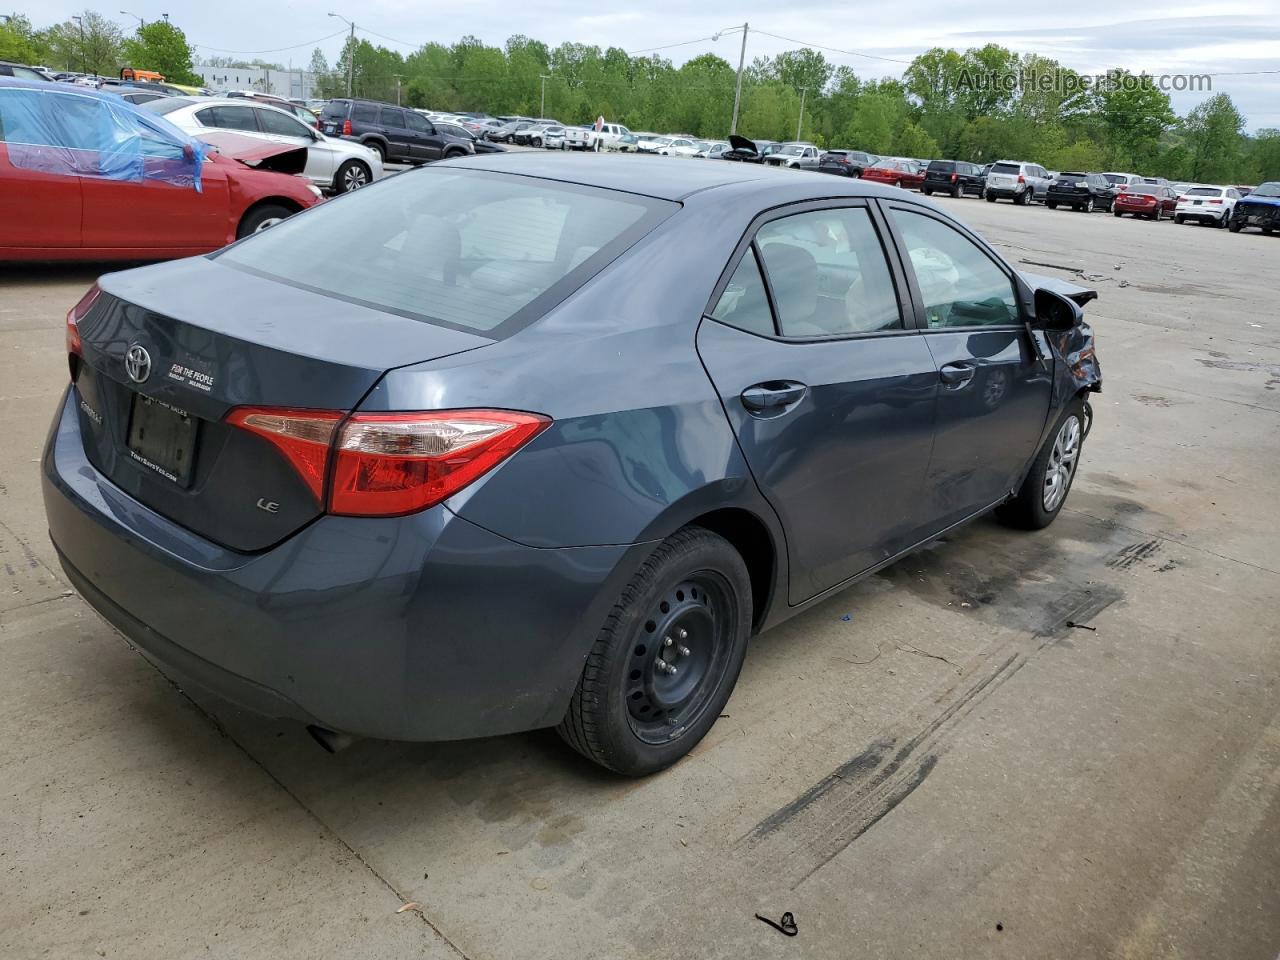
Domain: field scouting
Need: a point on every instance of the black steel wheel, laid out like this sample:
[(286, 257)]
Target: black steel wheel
[(666, 659)]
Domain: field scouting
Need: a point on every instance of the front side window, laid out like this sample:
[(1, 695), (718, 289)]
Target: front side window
[(960, 285), (468, 249), (828, 273)]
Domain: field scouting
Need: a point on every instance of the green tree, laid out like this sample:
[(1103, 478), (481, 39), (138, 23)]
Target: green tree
[(1211, 134), (1134, 113), (162, 47), (92, 45), (17, 41)]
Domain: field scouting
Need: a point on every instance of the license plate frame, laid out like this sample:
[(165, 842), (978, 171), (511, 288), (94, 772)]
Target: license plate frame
[(162, 439)]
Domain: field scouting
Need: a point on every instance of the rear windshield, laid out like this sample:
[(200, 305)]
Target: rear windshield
[(1071, 177), (1204, 192), (1141, 192), (335, 108), (476, 251), (1116, 178), (1005, 168), (943, 166)]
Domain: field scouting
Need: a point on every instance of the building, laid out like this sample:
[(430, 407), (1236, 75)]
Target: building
[(293, 84)]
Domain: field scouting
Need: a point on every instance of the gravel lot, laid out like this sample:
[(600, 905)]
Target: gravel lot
[(934, 763)]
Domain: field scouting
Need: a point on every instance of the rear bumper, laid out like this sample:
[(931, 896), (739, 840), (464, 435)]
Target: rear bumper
[(1203, 213), (425, 627)]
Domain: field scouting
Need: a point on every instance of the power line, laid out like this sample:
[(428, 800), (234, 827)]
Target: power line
[(668, 46), (850, 53), (309, 43)]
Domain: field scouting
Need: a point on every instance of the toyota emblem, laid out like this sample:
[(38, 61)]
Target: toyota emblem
[(137, 363)]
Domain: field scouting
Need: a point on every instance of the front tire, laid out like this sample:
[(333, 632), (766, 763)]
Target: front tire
[(1044, 489), (666, 659), (352, 175), (1234, 226), (262, 218)]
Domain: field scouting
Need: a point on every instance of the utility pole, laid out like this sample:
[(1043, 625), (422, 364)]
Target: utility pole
[(800, 122), (737, 92), (141, 23), (542, 110), (351, 58), (84, 54), (397, 76)]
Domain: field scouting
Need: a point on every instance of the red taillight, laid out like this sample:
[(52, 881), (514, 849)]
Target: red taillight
[(303, 436), (1215, 201), (1021, 178), (395, 463), (954, 178), (346, 128), (75, 315), (388, 464)]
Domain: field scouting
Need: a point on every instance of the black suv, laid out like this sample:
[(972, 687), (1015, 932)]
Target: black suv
[(955, 177), (1080, 191), (398, 134), (845, 163)]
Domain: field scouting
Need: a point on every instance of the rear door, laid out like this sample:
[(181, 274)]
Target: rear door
[(395, 127), (829, 390), (426, 140), (994, 389)]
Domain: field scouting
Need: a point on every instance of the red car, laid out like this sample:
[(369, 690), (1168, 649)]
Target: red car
[(87, 176), (898, 173), (1150, 202)]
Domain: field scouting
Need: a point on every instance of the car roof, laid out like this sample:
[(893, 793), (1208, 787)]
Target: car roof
[(658, 177)]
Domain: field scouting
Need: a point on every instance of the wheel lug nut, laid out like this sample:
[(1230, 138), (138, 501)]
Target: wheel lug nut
[(667, 641), (683, 651), (684, 634), (672, 669)]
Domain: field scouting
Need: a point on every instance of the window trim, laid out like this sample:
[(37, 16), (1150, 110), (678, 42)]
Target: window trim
[(1021, 292), (906, 306)]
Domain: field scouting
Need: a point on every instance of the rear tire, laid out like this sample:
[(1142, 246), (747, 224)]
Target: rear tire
[(1051, 204), (1023, 198), (628, 713), (927, 192), (955, 193), (1116, 213), (1158, 215), (379, 149), (1045, 488), (262, 218), (1088, 205), (1179, 219)]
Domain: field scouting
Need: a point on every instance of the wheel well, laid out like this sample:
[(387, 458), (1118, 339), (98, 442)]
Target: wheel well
[(750, 537), (291, 205)]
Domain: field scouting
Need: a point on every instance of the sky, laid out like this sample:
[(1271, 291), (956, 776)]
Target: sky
[(1215, 37)]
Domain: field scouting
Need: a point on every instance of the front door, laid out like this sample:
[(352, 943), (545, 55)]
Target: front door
[(831, 394), (994, 388)]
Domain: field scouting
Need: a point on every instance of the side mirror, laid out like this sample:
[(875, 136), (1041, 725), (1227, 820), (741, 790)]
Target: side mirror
[(188, 153), (1056, 312)]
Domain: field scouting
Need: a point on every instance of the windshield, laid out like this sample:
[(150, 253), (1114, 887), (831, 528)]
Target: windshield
[(466, 249), (1204, 192), (1268, 190)]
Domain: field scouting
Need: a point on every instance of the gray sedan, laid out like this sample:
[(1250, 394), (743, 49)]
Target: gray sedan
[(516, 442)]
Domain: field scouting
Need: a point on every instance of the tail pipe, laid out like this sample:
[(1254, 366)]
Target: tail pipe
[(330, 740)]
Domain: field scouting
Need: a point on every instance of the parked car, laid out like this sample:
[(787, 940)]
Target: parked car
[(1261, 209), (899, 173), (478, 145), (742, 150), (1154, 203), (647, 142), (1080, 191), (136, 97), (20, 70), (797, 155), (845, 163), (332, 162), (711, 149), (676, 147), (1121, 182), (955, 177), (588, 138), (628, 143), (553, 138), (394, 133), (1017, 181), (1206, 205), (507, 131), (417, 504), (532, 134), (87, 176)]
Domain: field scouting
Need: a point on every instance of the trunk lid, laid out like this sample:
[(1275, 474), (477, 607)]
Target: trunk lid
[(214, 337)]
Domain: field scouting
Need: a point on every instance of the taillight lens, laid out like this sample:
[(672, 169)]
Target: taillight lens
[(74, 316), (303, 436), (346, 128), (1215, 201), (389, 464), (1021, 178), (954, 178), (396, 463)]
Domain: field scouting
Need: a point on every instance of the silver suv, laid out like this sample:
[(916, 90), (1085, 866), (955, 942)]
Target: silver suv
[(1017, 181)]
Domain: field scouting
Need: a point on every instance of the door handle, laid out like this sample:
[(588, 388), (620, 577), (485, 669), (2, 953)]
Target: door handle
[(773, 395), (957, 373)]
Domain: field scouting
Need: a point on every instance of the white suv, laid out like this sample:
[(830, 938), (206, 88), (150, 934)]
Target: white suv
[(1210, 206), (1017, 181)]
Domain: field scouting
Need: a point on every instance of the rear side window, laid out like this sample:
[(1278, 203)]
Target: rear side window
[(744, 303), (828, 273), (960, 285), (364, 112), (1005, 168), (472, 250), (228, 117), (392, 117)]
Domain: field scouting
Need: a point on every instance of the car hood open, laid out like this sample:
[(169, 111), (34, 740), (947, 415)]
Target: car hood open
[(259, 154), (742, 143)]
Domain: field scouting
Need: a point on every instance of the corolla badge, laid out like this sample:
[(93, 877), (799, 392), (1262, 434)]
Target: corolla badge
[(137, 363)]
